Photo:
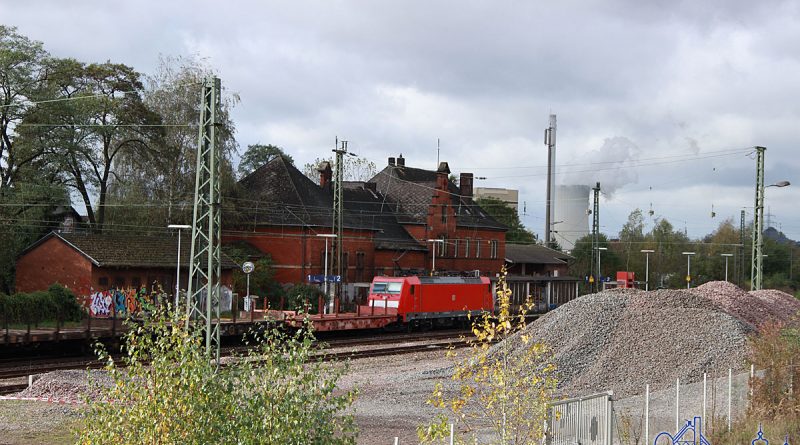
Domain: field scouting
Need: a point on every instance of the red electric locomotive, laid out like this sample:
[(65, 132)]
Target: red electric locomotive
[(431, 301)]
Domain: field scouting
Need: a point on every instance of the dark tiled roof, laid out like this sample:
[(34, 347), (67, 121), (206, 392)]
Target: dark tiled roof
[(279, 194), (534, 254), (409, 191), (111, 250)]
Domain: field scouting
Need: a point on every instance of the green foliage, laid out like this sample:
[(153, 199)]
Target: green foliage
[(775, 404), (170, 392), (164, 173), (498, 391), (304, 297), (262, 279), (507, 215), (258, 155), (55, 304)]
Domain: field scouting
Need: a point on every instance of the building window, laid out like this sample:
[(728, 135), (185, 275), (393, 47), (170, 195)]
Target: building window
[(119, 282), (478, 248), (444, 214), (102, 282), (136, 282), (493, 248), (360, 266), (466, 248)]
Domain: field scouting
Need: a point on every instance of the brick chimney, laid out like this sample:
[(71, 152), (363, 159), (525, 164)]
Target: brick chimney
[(442, 176), (465, 183), (401, 161), (391, 161), (325, 173)]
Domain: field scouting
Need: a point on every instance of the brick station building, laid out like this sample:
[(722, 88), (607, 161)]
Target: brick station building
[(387, 222), (86, 263)]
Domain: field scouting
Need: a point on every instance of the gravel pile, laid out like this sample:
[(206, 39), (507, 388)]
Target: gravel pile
[(735, 301), (624, 339), (783, 307), (72, 385)]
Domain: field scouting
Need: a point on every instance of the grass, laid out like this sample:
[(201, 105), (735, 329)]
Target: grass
[(27, 422), (746, 430)]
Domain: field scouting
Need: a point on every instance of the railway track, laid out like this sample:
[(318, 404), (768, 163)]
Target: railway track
[(354, 348)]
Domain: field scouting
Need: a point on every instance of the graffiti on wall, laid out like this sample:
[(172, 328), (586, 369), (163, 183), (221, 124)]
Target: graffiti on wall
[(120, 302)]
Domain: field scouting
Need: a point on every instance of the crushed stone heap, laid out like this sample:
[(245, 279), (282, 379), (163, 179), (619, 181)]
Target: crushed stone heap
[(623, 339)]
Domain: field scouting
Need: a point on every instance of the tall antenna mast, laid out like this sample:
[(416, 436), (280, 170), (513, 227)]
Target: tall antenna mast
[(202, 296), (550, 141)]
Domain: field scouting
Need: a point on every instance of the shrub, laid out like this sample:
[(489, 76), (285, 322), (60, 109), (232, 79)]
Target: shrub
[(301, 295), (500, 392), (171, 392)]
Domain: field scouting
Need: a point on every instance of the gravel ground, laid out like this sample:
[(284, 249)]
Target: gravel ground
[(391, 401)]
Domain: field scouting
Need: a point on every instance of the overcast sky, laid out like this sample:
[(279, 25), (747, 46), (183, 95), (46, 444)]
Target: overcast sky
[(658, 100)]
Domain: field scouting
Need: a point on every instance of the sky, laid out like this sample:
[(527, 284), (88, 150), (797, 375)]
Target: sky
[(661, 100)]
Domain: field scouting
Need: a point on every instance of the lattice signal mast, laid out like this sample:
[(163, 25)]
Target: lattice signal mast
[(338, 215), (596, 237), (757, 263), (202, 297)]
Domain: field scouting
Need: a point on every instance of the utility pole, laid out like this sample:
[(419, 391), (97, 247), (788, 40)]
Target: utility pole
[(204, 265), (337, 253), (741, 250), (550, 141), (596, 236), (757, 263)]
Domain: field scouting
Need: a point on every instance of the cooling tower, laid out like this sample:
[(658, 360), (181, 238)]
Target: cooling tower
[(572, 218)]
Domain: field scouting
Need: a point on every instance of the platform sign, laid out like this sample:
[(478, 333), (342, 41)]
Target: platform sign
[(320, 278)]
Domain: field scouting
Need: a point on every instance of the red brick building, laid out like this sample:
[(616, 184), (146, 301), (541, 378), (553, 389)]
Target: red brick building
[(86, 263), (387, 222)]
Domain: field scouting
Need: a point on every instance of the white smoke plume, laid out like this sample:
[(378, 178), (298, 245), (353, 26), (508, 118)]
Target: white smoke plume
[(613, 165)]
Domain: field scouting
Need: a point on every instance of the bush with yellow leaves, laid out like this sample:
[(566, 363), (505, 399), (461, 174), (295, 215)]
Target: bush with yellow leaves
[(500, 385)]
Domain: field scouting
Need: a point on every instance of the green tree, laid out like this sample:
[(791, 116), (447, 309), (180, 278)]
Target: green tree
[(582, 264), (667, 264), (507, 215), (98, 114), (258, 155), (169, 392), (22, 70), (165, 174), (630, 239)]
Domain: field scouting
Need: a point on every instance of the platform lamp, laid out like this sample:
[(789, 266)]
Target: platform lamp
[(647, 253), (433, 262), (726, 255), (599, 273), (178, 227), (688, 268)]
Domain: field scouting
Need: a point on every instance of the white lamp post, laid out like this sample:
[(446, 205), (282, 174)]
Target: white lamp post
[(433, 262), (726, 255), (599, 272), (179, 227), (688, 268), (248, 267), (647, 253), (327, 236)]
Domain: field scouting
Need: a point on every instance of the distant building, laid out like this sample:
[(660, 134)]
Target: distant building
[(509, 196)]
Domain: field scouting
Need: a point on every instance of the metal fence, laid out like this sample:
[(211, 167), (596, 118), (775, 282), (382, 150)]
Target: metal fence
[(582, 420)]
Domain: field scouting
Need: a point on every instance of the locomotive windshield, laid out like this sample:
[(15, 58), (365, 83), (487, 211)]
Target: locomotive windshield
[(382, 287)]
